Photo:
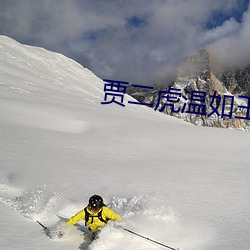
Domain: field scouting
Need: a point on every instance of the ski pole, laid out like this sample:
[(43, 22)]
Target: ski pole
[(146, 238), (45, 228)]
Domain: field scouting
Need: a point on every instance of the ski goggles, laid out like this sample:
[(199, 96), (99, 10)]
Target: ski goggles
[(94, 208)]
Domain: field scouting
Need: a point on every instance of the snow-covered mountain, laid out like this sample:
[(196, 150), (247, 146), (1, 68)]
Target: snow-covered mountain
[(182, 185), (200, 73)]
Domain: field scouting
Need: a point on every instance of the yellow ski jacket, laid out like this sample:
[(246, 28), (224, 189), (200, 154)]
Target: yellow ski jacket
[(94, 223)]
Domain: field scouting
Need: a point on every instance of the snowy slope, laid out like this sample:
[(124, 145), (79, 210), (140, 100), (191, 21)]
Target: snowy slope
[(179, 184)]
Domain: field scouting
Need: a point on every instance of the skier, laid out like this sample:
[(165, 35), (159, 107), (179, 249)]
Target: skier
[(95, 214)]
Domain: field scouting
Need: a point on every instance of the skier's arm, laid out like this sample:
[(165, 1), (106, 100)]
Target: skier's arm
[(110, 214), (77, 217)]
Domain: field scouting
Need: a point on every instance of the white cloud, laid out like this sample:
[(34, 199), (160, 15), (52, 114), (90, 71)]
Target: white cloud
[(228, 28), (233, 50), (97, 33)]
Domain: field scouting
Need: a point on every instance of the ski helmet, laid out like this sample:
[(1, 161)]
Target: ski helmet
[(95, 202)]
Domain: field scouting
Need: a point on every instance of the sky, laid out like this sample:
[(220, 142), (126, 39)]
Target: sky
[(139, 41)]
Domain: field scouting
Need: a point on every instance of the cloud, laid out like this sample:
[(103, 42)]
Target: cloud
[(228, 28), (136, 41), (232, 50)]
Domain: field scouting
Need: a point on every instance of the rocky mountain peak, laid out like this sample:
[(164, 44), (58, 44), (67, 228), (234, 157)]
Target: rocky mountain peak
[(194, 65), (200, 75), (197, 69)]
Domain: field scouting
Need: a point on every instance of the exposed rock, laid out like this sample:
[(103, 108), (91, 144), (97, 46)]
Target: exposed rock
[(202, 90)]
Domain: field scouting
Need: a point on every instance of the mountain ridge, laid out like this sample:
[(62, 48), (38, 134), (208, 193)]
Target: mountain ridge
[(198, 73)]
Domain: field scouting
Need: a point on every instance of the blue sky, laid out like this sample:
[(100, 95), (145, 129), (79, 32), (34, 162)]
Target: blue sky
[(218, 17), (140, 41)]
